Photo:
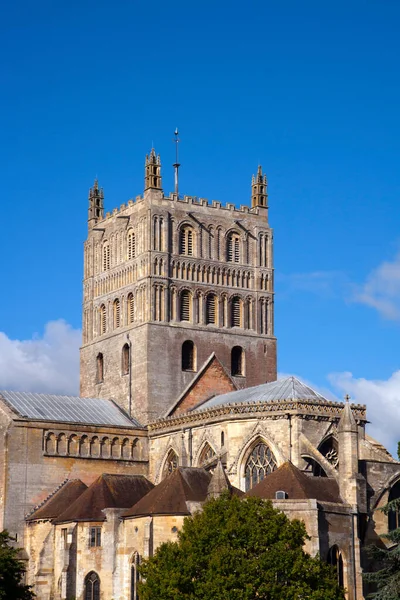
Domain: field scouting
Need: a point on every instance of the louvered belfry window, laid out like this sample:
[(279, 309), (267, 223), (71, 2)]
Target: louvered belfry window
[(106, 257), (117, 313), (236, 312), (186, 241), (131, 308), (186, 301), (233, 254), (103, 319), (211, 312), (131, 245)]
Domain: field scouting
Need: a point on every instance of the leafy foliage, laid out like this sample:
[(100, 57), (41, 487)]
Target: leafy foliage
[(11, 572), (241, 550)]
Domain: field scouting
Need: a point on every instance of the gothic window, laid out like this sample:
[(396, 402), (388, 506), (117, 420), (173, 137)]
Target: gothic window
[(188, 356), (131, 242), (125, 359), (92, 586), (99, 368), (260, 463), (207, 458), (329, 449), (130, 304), (211, 309), (186, 306), (171, 464), (134, 576), (394, 515), (117, 313), (103, 319), (233, 248), (335, 559), (186, 241), (236, 312), (237, 361), (106, 256)]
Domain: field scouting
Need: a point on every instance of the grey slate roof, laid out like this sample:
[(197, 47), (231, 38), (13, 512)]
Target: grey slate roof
[(67, 409), (289, 388)]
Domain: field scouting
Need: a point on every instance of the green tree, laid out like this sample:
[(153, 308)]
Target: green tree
[(238, 550), (11, 572)]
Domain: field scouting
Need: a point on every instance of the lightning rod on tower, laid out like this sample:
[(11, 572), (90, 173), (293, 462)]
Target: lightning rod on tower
[(176, 165)]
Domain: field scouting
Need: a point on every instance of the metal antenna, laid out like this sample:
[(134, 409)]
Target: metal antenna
[(176, 165)]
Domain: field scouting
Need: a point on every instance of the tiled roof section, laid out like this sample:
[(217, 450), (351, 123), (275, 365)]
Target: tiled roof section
[(67, 409), (59, 501), (170, 496), (289, 388), (297, 485), (107, 491)]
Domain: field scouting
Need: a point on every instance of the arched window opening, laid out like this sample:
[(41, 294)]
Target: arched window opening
[(126, 359), (135, 576), (208, 458), (92, 586), (329, 449), (171, 463), (186, 241), (237, 361), (130, 308), (236, 312), (106, 256), (211, 309), (99, 368), (131, 245), (188, 356), (335, 559), (117, 313), (222, 439), (314, 467), (103, 319), (394, 515), (260, 463), (233, 248), (186, 306)]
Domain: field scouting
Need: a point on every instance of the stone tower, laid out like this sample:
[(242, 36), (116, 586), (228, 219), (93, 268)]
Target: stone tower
[(167, 281)]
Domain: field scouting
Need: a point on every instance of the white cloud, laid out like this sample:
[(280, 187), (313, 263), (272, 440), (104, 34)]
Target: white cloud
[(382, 398), (381, 289), (48, 363)]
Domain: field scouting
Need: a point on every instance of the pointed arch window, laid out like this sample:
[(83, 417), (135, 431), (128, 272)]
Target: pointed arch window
[(186, 306), (188, 356), (103, 319), (92, 586), (106, 256), (99, 368), (125, 359), (236, 312), (117, 313), (336, 560), (186, 241), (135, 576), (171, 463), (394, 515), (233, 248), (130, 308), (261, 462), (211, 309), (237, 361), (131, 243), (207, 458)]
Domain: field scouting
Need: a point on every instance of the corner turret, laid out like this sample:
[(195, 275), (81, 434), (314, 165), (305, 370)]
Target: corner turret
[(348, 455), (152, 173), (259, 196), (96, 204)]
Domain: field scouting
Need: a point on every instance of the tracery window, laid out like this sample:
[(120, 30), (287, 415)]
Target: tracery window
[(106, 256), (188, 356), (237, 361), (236, 312), (131, 243), (186, 241), (207, 458), (394, 515), (125, 359), (99, 368), (186, 306), (92, 586), (103, 319), (135, 576), (211, 309), (171, 463), (335, 559), (260, 463), (130, 305), (117, 313), (329, 449), (233, 248)]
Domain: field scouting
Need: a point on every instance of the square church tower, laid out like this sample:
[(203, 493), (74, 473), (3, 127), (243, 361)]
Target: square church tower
[(168, 281)]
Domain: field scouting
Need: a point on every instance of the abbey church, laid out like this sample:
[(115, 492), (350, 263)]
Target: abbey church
[(180, 401)]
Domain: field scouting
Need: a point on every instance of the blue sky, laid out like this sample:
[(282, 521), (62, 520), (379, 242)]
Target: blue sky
[(309, 89)]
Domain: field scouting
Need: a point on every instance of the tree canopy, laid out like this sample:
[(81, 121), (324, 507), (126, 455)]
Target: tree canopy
[(241, 549), (11, 572)]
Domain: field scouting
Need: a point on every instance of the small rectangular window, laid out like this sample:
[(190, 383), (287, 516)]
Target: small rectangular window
[(63, 538), (94, 537)]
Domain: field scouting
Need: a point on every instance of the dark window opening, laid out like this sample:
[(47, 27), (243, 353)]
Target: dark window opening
[(185, 306), (335, 559), (188, 356), (126, 359), (94, 537), (237, 361), (92, 586), (99, 368), (394, 515)]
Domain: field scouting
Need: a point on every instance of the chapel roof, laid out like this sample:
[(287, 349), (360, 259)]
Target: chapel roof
[(58, 501), (107, 491), (289, 388), (297, 485), (67, 409)]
